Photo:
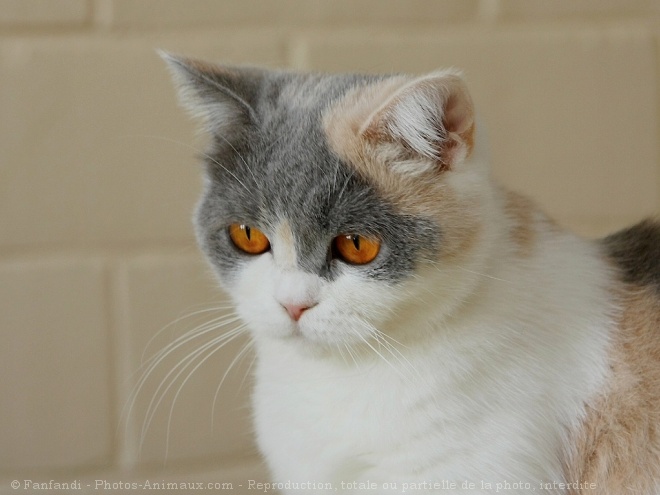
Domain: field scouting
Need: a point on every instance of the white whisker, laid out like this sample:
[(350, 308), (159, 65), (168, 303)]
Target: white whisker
[(177, 321), (483, 274), (363, 339), (240, 156), (240, 354), (152, 363), (183, 364), (351, 354), (341, 353), (235, 333), (435, 264), (247, 372), (343, 189)]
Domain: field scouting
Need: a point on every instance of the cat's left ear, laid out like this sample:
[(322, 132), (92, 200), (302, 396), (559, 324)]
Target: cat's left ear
[(221, 97), (431, 118)]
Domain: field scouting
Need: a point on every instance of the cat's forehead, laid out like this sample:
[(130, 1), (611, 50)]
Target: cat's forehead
[(307, 91), (297, 174)]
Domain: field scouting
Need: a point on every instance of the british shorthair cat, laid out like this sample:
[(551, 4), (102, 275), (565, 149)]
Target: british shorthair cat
[(418, 327)]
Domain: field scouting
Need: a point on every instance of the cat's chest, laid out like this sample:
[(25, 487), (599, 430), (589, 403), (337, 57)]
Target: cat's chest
[(321, 400), (406, 419), (318, 412)]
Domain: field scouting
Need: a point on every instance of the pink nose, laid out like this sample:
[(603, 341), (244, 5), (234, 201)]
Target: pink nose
[(295, 311)]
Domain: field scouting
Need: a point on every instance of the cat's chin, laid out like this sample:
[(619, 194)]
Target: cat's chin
[(318, 338), (305, 335), (300, 343), (307, 346)]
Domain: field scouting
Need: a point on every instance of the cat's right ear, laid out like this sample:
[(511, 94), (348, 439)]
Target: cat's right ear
[(218, 96)]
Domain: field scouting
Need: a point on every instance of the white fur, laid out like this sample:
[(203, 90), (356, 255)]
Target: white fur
[(494, 360)]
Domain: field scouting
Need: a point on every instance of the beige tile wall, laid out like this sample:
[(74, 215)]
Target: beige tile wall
[(98, 180)]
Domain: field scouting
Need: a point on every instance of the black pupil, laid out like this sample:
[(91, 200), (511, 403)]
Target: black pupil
[(356, 242), (247, 232)]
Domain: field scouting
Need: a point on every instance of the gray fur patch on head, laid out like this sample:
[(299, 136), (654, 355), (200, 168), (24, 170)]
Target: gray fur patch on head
[(278, 166)]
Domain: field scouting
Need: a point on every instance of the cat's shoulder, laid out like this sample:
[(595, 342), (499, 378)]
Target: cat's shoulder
[(636, 252), (617, 446)]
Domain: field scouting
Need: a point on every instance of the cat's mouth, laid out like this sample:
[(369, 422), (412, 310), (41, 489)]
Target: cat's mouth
[(319, 332), (296, 332)]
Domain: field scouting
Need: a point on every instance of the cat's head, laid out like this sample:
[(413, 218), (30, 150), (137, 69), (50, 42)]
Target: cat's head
[(338, 206)]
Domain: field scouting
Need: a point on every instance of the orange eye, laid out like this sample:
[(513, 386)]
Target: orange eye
[(248, 239), (356, 249)]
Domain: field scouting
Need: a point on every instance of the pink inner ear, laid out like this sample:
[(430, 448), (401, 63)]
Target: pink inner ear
[(458, 120), (457, 115)]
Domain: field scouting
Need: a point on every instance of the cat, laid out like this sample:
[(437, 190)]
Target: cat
[(418, 327)]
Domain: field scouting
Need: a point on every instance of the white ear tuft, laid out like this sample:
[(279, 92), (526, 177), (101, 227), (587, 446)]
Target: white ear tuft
[(431, 117)]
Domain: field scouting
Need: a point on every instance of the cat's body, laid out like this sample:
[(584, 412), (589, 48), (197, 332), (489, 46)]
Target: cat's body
[(481, 343)]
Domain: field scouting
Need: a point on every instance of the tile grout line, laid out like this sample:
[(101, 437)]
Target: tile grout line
[(126, 454)]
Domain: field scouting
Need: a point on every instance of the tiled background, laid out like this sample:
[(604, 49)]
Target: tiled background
[(98, 180)]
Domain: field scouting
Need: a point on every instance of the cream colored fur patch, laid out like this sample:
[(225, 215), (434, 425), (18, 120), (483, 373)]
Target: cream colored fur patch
[(425, 194), (284, 249), (618, 445)]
